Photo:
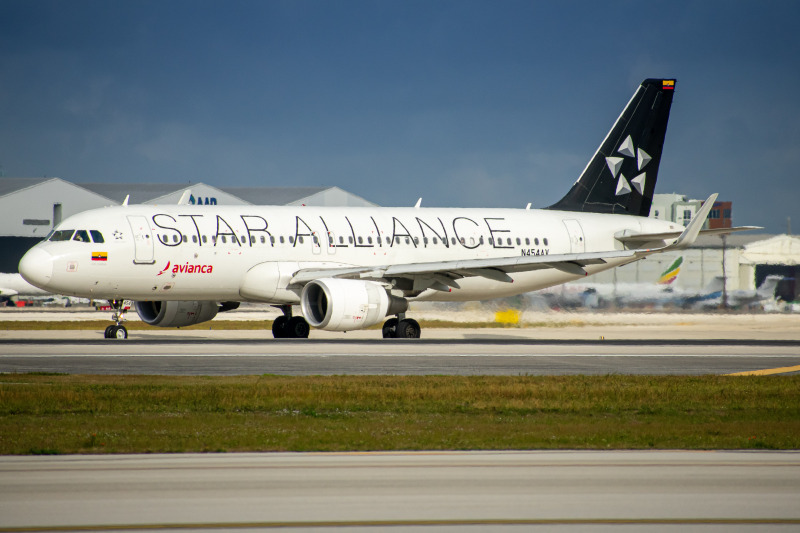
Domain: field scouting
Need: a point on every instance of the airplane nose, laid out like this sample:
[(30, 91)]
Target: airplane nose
[(36, 267)]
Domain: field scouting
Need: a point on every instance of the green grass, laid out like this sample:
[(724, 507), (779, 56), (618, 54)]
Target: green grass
[(55, 414)]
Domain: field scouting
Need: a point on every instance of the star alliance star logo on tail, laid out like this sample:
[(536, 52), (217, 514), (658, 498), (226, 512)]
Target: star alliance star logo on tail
[(628, 150)]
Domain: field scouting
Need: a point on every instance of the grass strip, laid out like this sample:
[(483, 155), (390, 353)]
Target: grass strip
[(60, 414)]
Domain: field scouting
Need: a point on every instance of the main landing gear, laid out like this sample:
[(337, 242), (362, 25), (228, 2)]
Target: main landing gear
[(401, 328), (117, 331), (287, 326)]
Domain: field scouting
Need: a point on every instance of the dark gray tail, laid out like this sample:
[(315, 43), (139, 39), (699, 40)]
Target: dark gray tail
[(621, 177)]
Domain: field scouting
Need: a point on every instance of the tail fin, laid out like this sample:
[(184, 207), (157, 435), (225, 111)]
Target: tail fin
[(621, 177), (671, 273)]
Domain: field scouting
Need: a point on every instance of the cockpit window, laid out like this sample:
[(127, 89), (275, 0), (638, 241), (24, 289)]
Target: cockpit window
[(81, 235), (62, 235), (97, 236)]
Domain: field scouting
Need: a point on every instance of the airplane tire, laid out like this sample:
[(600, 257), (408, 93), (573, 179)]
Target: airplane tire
[(108, 333), (120, 332), (390, 328), (408, 329), (297, 328), (279, 327)]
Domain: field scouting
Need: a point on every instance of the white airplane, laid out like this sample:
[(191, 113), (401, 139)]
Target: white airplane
[(711, 297), (12, 284), (351, 268)]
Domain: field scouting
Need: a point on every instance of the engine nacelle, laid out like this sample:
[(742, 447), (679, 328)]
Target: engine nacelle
[(336, 304), (176, 314)]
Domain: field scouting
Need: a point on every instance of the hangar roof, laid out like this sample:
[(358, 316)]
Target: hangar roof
[(9, 185)]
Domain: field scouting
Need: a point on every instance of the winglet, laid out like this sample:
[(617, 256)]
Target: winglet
[(419, 203), (691, 232), (184, 200), (127, 197)]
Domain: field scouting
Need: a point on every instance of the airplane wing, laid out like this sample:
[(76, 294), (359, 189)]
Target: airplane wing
[(441, 275), (446, 272)]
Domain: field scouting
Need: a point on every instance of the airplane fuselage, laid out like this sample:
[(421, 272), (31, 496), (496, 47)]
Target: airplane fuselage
[(204, 253)]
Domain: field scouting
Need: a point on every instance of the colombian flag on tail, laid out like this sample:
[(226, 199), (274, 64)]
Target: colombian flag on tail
[(668, 85)]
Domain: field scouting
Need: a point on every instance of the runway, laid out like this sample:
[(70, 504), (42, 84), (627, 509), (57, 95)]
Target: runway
[(448, 491), (233, 353)]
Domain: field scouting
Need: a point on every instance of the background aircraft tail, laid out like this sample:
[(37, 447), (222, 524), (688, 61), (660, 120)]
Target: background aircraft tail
[(671, 273), (621, 177)]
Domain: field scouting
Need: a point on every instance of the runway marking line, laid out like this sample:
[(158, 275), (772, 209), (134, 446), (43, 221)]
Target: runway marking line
[(407, 523), (768, 371)]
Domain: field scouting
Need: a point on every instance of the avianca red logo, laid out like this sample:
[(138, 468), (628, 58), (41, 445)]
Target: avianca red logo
[(186, 268)]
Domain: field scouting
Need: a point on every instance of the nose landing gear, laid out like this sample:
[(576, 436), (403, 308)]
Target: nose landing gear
[(117, 331)]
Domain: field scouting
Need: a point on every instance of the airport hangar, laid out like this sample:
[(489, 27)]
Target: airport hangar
[(30, 207)]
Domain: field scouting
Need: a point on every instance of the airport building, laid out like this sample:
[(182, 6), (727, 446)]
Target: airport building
[(31, 207)]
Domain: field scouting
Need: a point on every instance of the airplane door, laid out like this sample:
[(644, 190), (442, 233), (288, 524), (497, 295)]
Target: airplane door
[(577, 242), (142, 239)]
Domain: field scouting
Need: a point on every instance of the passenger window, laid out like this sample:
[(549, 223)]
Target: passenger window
[(205, 239), (369, 240), (360, 240), (527, 240), (185, 238), (416, 240), (282, 240), (379, 239), (435, 241), (81, 235), (453, 241), (194, 239), (509, 241), (300, 239), (224, 240), (291, 239), (518, 241), (341, 239), (545, 242), (408, 241), (480, 241), (536, 241), (350, 240), (272, 240), (97, 236)]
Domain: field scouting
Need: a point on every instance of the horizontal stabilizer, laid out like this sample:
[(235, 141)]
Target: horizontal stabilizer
[(634, 239)]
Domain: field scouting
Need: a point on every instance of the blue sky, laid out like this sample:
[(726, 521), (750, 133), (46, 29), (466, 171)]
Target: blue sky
[(464, 103)]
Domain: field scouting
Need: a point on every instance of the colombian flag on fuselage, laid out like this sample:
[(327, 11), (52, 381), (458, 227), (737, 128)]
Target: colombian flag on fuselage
[(99, 256)]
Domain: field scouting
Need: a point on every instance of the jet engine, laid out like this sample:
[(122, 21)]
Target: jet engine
[(176, 314), (344, 304)]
